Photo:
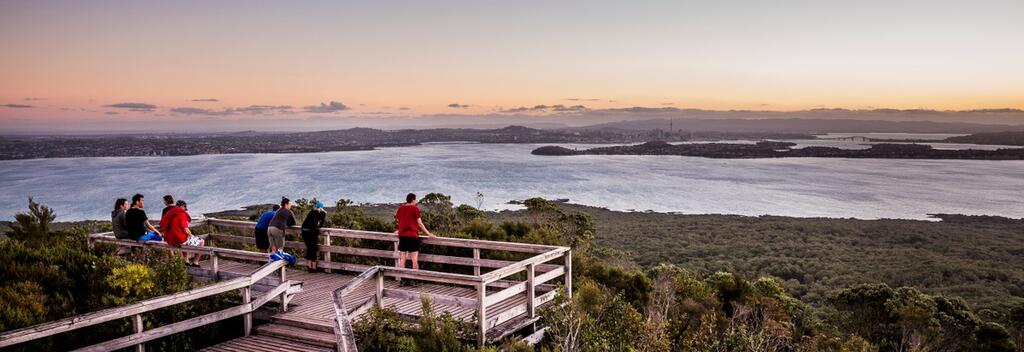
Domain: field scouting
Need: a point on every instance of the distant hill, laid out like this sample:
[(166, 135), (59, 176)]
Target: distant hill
[(996, 138), (798, 125)]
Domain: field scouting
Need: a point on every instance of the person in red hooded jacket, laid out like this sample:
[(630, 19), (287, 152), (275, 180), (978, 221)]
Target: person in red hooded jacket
[(174, 224)]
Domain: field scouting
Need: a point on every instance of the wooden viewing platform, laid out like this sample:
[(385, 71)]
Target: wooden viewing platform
[(315, 311)]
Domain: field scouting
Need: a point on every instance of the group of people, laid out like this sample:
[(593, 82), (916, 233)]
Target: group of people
[(129, 221), (271, 226)]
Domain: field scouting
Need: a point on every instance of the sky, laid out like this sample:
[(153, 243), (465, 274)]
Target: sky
[(76, 64)]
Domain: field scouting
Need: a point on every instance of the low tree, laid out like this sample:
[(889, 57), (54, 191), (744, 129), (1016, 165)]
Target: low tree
[(33, 226), (1015, 320)]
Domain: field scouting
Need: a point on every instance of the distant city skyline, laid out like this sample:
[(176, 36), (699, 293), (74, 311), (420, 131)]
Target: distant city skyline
[(79, 65)]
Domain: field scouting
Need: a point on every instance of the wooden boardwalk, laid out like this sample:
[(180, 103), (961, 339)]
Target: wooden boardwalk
[(316, 311), (308, 325)]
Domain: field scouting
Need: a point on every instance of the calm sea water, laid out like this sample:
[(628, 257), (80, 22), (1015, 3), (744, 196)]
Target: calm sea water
[(85, 188)]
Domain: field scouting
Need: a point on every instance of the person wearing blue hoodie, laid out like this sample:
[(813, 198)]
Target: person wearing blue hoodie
[(311, 234), (262, 238)]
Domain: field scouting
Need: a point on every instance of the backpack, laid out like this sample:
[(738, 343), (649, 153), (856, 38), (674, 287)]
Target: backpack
[(282, 255)]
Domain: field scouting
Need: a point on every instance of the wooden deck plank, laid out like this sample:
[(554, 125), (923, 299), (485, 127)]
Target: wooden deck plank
[(258, 343)]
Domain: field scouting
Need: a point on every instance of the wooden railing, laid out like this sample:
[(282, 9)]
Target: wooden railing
[(331, 236), (283, 290), (487, 273)]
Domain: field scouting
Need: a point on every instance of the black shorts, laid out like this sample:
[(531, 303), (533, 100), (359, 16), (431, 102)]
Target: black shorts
[(262, 239), (311, 237), (408, 244)]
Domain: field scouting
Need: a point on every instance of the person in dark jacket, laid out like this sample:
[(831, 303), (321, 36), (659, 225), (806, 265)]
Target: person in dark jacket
[(311, 234), (117, 219), (262, 225), (281, 221), (168, 204)]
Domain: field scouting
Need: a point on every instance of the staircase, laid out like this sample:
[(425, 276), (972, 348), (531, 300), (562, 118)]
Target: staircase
[(288, 333), (309, 332)]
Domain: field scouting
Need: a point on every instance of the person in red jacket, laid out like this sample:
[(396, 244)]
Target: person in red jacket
[(176, 232)]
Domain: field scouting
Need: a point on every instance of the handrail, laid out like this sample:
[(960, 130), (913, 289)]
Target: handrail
[(343, 321), (474, 262), (145, 306), (386, 236), (521, 265), (107, 237), (346, 338)]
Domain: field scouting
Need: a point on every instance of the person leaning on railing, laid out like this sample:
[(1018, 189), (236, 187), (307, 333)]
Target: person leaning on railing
[(409, 226), (281, 221), (311, 234), (262, 226)]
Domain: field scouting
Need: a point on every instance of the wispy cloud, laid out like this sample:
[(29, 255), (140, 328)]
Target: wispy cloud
[(643, 110), (19, 106), (582, 99), (245, 110), (457, 106), (206, 100), (34, 99), (333, 106), (263, 109), (140, 107), (547, 108), (111, 113), (515, 110), (200, 111)]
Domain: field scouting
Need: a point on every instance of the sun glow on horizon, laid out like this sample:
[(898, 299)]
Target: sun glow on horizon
[(104, 60)]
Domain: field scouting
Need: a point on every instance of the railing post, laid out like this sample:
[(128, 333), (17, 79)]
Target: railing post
[(380, 288), (481, 314), (327, 254), (284, 295), (247, 318), (531, 308), (215, 264), (137, 326), (476, 259), (398, 258), (568, 273)]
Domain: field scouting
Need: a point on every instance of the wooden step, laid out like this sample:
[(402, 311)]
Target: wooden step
[(256, 343), (307, 323), (311, 337)]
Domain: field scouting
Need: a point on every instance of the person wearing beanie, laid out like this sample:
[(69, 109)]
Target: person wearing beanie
[(311, 234)]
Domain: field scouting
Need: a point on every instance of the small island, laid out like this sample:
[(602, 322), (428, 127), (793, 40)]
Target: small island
[(774, 149)]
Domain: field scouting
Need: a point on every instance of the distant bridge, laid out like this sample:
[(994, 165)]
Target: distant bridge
[(315, 311)]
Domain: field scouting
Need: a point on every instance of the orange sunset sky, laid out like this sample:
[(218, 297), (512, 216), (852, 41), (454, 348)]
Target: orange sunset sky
[(68, 62)]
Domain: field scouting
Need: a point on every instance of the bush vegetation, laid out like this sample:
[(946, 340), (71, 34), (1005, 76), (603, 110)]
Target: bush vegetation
[(669, 282), (51, 274), (642, 281)]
